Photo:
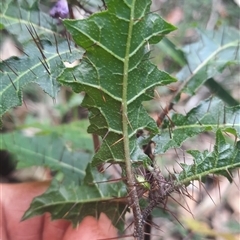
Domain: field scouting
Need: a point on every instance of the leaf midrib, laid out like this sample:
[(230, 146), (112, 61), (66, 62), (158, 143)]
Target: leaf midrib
[(231, 44), (124, 95), (205, 173), (125, 125)]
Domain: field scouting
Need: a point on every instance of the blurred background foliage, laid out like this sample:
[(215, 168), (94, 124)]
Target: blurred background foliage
[(41, 116)]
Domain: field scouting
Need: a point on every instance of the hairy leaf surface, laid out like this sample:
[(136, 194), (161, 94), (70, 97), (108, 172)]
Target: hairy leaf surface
[(39, 66), (115, 73), (222, 160)]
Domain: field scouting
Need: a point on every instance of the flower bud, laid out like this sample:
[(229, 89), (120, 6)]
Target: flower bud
[(60, 9)]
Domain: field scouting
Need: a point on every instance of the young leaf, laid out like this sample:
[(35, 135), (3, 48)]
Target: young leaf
[(214, 51), (210, 115), (222, 160)]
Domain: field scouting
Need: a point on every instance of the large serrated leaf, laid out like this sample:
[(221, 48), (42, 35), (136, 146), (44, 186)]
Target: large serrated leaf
[(76, 202), (41, 67), (115, 73), (210, 115), (214, 51), (222, 160)]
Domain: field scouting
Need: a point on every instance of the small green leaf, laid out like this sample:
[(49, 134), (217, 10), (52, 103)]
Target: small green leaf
[(210, 115), (142, 181), (222, 160)]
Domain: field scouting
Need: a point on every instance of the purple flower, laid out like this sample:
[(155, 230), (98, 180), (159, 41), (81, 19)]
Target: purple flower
[(60, 9)]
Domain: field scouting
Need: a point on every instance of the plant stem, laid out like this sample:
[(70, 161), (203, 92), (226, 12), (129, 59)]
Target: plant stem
[(138, 231)]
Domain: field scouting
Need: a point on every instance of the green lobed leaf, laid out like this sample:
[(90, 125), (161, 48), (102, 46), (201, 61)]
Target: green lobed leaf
[(62, 148), (76, 202), (214, 51), (34, 66), (115, 72), (222, 160), (211, 115)]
